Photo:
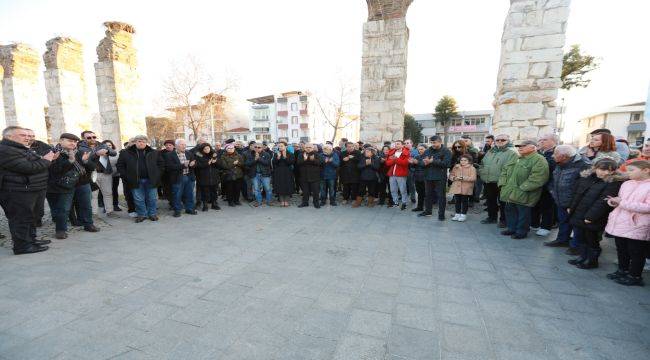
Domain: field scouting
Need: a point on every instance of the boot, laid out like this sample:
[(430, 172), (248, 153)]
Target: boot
[(371, 201), (215, 205), (582, 257), (592, 260), (205, 206), (357, 202)]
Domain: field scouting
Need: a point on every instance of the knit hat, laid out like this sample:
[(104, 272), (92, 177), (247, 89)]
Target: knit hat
[(230, 145), (169, 142)]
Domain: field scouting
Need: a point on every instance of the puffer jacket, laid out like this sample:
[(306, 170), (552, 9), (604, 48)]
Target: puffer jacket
[(631, 218), (522, 180), (565, 178), (493, 162), (590, 200), (328, 171), (369, 172), (465, 186), (21, 169), (398, 166)]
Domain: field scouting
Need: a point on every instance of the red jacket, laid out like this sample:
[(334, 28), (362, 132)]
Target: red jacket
[(399, 166)]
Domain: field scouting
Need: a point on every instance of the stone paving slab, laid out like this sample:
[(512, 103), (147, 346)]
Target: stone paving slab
[(334, 283)]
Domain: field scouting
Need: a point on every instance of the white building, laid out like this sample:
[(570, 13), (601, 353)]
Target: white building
[(240, 134), (476, 124), (282, 117), (627, 121)]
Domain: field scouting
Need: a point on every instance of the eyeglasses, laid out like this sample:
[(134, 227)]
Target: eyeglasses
[(91, 137), (501, 140)]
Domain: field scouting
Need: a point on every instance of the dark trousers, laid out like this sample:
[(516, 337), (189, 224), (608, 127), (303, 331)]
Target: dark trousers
[(328, 187), (631, 254), (495, 207), (368, 187), (310, 188), (434, 191), (19, 209), (233, 189), (462, 203), (83, 195), (419, 188), (350, 191), (208, 193), (518, 218), (39, 208), (382, 189), (542, 214), (60, 204), (565, 228)]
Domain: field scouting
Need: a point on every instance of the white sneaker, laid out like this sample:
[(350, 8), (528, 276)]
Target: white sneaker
[(133, 214), (456, 217), (533, 228), (543, 232), (462, 218)]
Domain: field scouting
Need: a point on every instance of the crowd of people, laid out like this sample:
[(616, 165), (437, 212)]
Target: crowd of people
[(528, 185)]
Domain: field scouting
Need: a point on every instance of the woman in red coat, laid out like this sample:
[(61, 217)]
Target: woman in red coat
[(398, 170)]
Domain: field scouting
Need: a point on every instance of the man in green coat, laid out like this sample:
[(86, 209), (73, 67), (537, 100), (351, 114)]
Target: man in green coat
[(490, 171), (521, 184)]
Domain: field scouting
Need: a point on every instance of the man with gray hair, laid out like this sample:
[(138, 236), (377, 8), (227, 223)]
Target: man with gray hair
[(569, 164), (179, 168), (142, 167), (23, 177), (490, 170), (542, 215)]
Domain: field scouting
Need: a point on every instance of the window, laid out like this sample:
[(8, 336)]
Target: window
[(294, 106), (245, 137), (294, 120), (636, 117), (294, 133)]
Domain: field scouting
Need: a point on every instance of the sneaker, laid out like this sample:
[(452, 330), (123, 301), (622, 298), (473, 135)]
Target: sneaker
[(153, 217), (542, 232), (455, 217), (139, 219), (534, 228), (133, 214), (462, 217)]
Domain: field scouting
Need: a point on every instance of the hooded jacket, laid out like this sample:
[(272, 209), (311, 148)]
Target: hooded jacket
[(590, 199), (631, 218)]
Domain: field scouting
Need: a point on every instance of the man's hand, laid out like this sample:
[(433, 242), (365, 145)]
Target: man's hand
[(587, 221), (192, 163), (85, 156), (346, 158), (257, 156), (311, 157), (368, 161), (235, 162), (305, 156), (102, 152), (50, 156)]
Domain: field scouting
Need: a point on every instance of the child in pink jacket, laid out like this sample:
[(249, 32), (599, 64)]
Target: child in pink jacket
[(629, 223)]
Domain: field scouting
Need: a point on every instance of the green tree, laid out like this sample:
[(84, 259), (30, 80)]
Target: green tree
[(575, 66), (445, 111), (412, 129)]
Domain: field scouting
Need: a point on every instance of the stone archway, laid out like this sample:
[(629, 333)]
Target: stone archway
[(527, 82)]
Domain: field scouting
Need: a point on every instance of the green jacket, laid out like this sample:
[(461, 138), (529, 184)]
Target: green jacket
[(522, 180), (490, 168)]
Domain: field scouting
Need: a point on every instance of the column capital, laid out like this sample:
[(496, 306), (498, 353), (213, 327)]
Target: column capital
[(64, 53), (387, 9)]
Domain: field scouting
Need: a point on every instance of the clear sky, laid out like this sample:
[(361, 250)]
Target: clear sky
[(274, 46)]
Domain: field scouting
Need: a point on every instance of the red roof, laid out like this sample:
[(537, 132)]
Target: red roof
[(239, 129)]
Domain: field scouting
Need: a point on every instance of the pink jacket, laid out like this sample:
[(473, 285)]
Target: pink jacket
[(631, 218)]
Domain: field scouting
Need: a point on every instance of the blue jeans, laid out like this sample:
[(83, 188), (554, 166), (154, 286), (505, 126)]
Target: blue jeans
[(83, 195), (328, 186), (60, 205), (183, 193), (145, 198), (518, 218), (260, 182), (564, 228)]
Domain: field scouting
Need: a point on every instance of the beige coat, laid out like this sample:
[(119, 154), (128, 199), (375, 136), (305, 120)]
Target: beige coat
[(465, 186)]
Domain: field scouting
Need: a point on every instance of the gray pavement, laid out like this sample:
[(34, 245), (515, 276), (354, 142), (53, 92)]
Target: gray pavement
[(334, 283)]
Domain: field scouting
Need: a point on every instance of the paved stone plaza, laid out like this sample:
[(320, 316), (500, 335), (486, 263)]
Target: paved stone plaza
[(334, 283)]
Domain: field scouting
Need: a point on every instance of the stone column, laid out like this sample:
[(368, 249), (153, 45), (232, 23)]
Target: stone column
[(3, 122), (530, 68), (20, 90), (383, 73), (118, 85), (66, 87)]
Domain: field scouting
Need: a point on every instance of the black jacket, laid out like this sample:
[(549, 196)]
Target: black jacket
[(310, 169), (40, 148), (437, 170), (590, 200), (368, 172), (174, 168), (206, 174), (260, 166), (349, 170), (127, 166), (61, 166), (21, 169)]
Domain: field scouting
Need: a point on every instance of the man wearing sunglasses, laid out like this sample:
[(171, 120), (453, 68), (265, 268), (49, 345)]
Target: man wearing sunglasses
[(490, 170)]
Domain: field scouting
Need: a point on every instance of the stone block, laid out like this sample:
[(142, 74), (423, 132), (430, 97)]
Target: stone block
[(530, 56), (538, 70), (520, 123), (516, 84), (514, 71), (554, 69), (523, 31), (556, 15), (543, 42), (549, 83), (529, 132), (517, 111)]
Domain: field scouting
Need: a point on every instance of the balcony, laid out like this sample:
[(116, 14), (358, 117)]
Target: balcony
[(260, 118), (260, 129), (284, 113), (303, 112), (283, 126), (304, 138), (256, 107), (304, 126), (303, 98)]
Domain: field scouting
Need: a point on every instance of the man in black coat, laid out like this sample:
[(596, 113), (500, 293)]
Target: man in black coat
[(310, 163), (23, 176), (349, 172), (141, 168), (40, 148), (179, 168)]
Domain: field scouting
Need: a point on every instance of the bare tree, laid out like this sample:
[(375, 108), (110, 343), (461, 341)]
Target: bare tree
[(189, 89), (338, 111)]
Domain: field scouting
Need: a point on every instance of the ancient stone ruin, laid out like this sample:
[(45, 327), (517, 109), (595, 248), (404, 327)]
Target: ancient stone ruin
[(530, 68), (118, 84), (19, 86), (383, 74), (66, 87)]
